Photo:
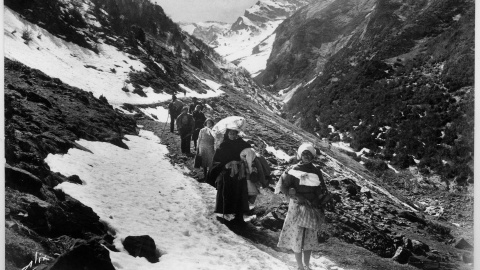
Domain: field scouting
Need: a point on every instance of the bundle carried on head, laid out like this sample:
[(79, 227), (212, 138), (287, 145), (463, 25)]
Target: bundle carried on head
[(237, 123)]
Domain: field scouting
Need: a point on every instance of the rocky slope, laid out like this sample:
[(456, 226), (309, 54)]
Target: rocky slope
[(367, 212), (393, 77), (42, 116), (248, 41), (45, 115), (305, 41), (128, 51), (158, 58)]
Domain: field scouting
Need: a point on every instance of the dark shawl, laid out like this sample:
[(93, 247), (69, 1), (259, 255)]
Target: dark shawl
[(309, 193), (232, 193)]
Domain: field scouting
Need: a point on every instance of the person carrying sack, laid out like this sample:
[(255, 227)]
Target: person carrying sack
[(304, 186), (174, 109), (185, 126)]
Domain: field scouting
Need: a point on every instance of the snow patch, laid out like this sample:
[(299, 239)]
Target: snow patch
[(137, 191)]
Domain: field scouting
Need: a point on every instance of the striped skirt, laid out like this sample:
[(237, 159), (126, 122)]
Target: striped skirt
[(298, 238)]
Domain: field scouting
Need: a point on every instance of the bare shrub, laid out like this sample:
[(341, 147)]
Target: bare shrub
[(27, 35)]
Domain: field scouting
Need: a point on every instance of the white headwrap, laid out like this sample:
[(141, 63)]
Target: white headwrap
[(306, 146)]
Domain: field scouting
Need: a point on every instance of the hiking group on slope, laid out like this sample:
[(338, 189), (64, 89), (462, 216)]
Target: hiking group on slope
[(238, 173)]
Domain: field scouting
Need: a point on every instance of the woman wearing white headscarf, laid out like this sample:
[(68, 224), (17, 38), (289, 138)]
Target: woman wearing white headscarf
[(205, 144), (303, 184)]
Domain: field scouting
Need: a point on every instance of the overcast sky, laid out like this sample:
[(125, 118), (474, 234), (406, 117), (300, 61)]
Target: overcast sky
[(205, 10)]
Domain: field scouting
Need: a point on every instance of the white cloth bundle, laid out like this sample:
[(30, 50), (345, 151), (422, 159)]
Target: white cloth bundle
[(306, 179)]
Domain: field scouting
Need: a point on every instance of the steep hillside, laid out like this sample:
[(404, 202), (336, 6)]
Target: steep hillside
[(102, 72), (248, 41), (393, 77), (131, 51), (306, 40)]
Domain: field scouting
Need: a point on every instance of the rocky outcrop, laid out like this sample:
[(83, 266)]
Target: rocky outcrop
[(84, 255), (43, 116), (305, 41)]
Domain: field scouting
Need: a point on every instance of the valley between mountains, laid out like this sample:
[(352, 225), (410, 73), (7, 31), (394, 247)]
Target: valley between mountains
[(91, 166)]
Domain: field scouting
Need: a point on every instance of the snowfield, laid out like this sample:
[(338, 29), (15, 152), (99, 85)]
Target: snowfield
[(80, 67), (138, 191), (239, 45)]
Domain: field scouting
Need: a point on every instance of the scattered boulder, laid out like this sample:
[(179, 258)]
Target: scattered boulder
[(270, 222), (90, 255), (366, 192), (142, 246), (462, 244), (352, 190), (419, 248), (75, 179), (334, 183), (401, 255), (411, 216)]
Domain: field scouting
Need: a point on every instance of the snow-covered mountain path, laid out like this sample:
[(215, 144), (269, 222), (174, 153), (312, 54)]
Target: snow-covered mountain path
[(138, 192)]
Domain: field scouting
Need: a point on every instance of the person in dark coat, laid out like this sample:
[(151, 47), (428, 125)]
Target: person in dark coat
[(199, 118), (194, 105), (185, 125), (232, 192), (174, 109)]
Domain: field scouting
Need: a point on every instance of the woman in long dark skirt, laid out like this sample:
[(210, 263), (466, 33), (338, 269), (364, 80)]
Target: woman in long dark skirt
[(232, 192), (199, 118)]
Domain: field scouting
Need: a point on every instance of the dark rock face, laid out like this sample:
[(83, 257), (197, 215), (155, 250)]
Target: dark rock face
[(84, 256), (306, 40), (33, 129), (20, 249), (44, 116), (142, 246), (368, 60), (22, 180)]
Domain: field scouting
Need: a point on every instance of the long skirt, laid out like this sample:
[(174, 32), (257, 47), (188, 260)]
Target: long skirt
[(232, 194), (195, 137), (295, 237)]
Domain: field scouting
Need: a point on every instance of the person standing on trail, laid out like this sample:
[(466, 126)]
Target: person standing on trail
[(304, 186), (199, 118), (185, 125), (232, 191), (174, 109), (194, 105), (206, 141)]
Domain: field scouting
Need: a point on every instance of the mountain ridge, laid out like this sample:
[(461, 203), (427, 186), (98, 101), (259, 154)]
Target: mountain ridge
[(48, 112), (241, 43), (406, 48)]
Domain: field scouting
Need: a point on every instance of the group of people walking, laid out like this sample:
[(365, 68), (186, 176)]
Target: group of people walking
[(189, 119), (238, 172)]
